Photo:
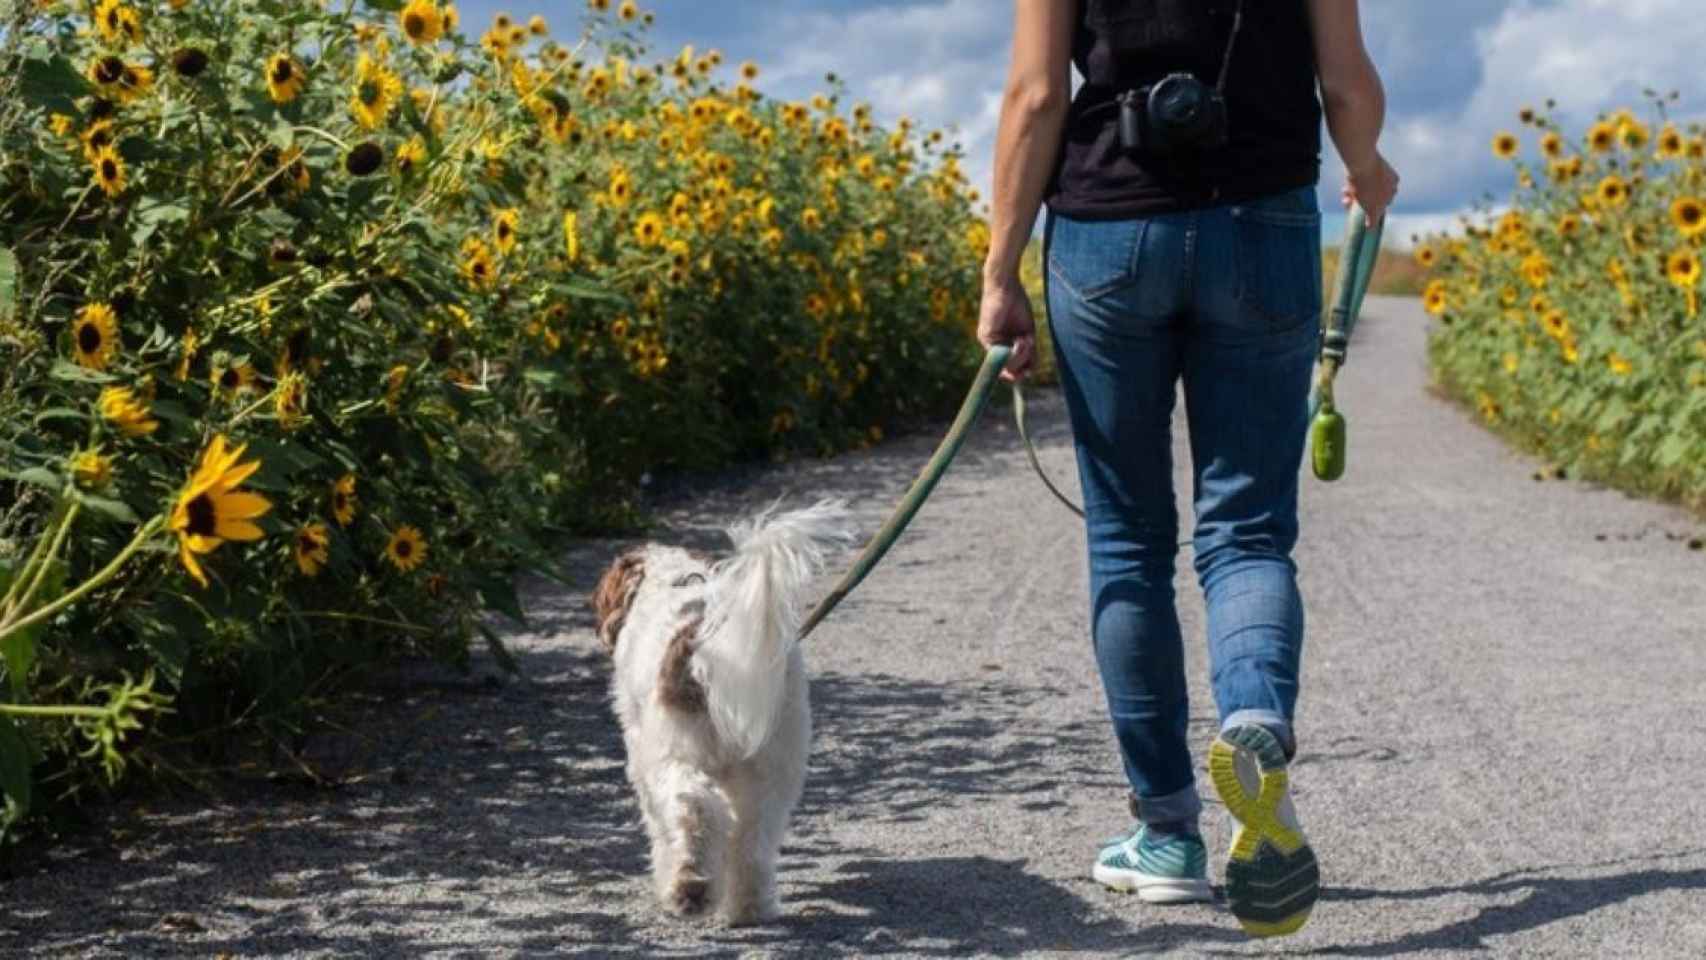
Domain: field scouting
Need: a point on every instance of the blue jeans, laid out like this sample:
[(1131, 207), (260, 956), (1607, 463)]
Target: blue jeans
[(1227, 299)]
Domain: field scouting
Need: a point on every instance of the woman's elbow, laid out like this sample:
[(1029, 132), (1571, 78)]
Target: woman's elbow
[(1036, 98)]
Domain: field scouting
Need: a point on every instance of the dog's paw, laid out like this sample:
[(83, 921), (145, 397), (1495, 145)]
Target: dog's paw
[(689, 895)]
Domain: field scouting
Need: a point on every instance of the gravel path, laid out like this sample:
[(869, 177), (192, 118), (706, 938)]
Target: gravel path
[(1500, 719)]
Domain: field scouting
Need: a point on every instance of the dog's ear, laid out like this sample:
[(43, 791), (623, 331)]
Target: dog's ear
[(614, 595)]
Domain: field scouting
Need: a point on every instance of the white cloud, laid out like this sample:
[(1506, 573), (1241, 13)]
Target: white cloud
[(1587, 56)]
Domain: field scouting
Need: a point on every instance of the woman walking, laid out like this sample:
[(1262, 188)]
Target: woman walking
[(1182, 243)]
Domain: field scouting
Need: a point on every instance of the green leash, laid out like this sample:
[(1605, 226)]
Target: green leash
[(976, 399), (1356, 266)]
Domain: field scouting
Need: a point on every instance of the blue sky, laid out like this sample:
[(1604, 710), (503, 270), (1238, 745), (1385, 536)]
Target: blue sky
[(1456, 71)]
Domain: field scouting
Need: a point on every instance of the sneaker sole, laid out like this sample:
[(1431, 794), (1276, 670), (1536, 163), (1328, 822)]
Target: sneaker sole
[(1272, 878), (1153, 889)]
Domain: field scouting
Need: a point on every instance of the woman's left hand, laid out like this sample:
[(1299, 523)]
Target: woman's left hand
[(1005, 317)]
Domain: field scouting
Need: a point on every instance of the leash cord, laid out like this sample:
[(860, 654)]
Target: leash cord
[(976, 399)]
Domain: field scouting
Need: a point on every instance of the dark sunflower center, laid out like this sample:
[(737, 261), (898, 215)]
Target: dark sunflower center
[(109, 169), (503, 230), (1691, 214), (282, 71), (369, 93), (306, 544), (112, 19), (405, 549), (109, 70), (89, 338), (203, 517), (340, 502), (230, 379), (129, 78), (414, 24)]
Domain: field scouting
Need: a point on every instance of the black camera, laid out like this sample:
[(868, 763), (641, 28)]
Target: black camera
[(1178, 116)]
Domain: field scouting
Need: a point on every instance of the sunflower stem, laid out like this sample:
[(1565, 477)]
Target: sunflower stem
[(305, 128), (27, 710), (362, 618), (23, 573), (23, 601), (106, 573)]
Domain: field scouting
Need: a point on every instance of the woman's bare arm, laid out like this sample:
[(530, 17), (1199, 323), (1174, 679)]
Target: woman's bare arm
[(1355, 103), (1033, 115)]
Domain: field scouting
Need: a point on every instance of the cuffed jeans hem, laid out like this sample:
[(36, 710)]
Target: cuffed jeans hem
[(1275, 723), (1179, 805)]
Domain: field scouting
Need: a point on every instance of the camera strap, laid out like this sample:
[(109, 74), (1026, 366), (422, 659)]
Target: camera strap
[(1231, 42)]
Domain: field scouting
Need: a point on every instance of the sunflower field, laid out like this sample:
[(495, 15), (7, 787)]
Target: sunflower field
[(319, 319), (1572, 321)]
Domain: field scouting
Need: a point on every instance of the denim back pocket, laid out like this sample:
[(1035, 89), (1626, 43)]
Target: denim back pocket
[(1277, 241), (1094, 258)]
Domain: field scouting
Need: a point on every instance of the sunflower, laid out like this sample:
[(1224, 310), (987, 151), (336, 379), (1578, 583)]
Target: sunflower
[(1612, 191), (118, 24), (1683, 268), (452, 19), (621, 188), (649, 229), (1689, 216), (107, 169), (1557, 325), (285, 78), (1505, 146), (394, 382), (628, 10), (290, 401), (1434, 298), (810, 218), (410, 156), (210, 510), (1602, 136), (598, 6), (537, 26), (127, 411), (233, 378), (376, 91), (421, 22), (1569, 225), (1634, 136), (344, 500), (406, 549), (1619, 366), (503, 229), (312, 548), (1671, 143), (94, 336), (1552, 145), (91, 469), (477, 266)]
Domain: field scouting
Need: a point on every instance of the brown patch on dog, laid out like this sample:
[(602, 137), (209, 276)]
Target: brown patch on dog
[(676, 687), (614, 595)]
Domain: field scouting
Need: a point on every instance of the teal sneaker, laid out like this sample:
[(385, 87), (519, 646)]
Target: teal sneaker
[(1272, 878), (1159, 868)]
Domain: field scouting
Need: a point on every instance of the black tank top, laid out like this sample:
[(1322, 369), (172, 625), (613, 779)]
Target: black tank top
[(1273, 111)]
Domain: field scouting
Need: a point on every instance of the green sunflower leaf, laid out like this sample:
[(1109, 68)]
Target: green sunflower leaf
[(40, 477)]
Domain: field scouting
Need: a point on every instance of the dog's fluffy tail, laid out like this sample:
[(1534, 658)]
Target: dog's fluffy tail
[(752, 616)]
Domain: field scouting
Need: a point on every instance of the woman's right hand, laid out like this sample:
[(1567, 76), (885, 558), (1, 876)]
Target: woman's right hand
[(1372, 187)]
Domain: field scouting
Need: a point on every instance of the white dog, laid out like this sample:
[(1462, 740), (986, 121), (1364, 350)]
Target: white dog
[(710, 691)]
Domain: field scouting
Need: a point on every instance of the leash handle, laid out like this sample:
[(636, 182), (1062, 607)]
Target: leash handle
[(1357, 258), (976, 399)]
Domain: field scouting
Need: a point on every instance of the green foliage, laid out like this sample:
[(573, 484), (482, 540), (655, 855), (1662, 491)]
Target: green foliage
[(1572, 323), (451, 296)]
